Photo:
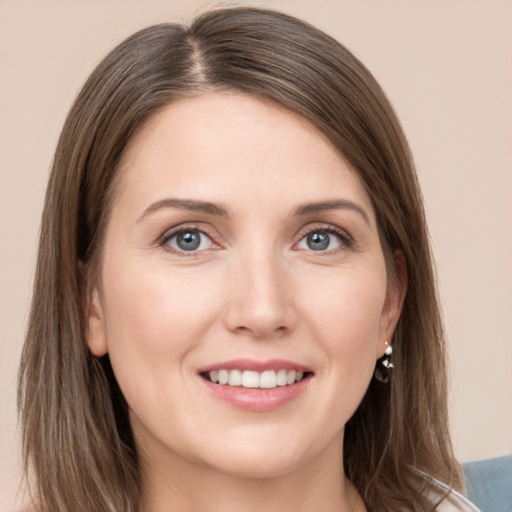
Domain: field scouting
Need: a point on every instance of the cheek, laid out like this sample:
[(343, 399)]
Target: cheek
[(156, 306), (154, 318), (346, 315), (343, 318)]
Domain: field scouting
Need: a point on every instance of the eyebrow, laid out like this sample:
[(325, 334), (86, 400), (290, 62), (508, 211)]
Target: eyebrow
[(215, 209), (185, 204), (337, 204)]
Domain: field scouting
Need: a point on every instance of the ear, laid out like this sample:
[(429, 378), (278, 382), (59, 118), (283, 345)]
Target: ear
[(397, 288), (96, 332)]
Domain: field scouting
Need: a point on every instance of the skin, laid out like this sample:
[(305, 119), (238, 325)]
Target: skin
[(254, 289)]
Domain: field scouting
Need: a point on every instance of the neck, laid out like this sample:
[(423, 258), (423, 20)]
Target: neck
[(186, 486)]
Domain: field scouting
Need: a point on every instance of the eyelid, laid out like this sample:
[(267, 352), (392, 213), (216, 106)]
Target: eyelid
[(187, 226), (346, 238)]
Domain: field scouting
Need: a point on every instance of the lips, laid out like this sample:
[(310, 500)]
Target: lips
[(256, 385)]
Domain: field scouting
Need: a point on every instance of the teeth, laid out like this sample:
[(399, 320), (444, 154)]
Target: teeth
[(281, 378), (268, 379), (235, 378), (223, 377), (250, 379)]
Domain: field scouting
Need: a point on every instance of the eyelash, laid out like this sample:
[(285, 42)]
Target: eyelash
[(346, 240), (170, 234)]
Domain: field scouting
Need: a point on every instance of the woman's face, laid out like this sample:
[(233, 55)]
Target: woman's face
[(240, 247)]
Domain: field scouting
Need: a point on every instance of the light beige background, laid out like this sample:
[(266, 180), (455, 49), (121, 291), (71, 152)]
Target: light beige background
[(446, 66)]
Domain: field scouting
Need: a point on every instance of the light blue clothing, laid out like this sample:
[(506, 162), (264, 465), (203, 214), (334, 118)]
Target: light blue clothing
[(489, 483)]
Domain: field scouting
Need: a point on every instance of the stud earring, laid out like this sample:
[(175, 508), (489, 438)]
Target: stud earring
[(384, 365)]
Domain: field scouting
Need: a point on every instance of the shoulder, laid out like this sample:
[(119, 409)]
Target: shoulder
[(453, 500)]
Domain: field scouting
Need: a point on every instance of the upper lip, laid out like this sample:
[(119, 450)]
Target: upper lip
[(255, 365)]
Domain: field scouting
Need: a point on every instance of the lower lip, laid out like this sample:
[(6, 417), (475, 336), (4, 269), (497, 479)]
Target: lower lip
[(257, 399)]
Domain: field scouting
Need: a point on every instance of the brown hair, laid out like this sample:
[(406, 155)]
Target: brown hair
[(77, 441)]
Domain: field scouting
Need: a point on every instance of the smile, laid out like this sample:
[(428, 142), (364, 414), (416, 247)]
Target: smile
[(256, 386), (268, 379)]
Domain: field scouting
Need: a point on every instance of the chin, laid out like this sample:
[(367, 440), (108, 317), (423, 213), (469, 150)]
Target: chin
[(260, 456), (259, 467)]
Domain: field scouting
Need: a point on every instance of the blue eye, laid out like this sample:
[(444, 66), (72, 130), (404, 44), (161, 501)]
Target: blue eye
[(321, 240), (189, 240)]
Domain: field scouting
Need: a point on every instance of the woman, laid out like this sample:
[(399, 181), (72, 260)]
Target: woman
[(234, 303)]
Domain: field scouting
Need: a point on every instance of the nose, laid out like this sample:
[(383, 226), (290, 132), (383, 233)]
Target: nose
[(261, 302)]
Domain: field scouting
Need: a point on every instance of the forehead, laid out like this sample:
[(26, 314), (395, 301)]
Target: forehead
[(224, 146)]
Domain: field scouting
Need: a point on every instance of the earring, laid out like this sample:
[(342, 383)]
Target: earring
[(384, 365)]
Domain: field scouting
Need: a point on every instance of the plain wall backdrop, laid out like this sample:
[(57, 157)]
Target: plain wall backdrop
[(446, 66)]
